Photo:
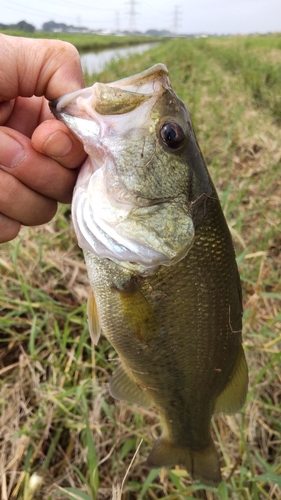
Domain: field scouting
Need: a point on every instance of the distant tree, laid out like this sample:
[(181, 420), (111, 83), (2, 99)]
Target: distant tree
[(21, 26), (24, 26)]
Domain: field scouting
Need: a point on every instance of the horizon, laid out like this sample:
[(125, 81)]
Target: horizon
[(218, 17)]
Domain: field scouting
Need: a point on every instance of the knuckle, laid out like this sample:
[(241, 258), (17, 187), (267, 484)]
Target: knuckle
[(65, 50)]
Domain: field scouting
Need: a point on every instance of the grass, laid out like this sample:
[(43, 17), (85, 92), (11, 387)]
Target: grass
[(85, 42), (62, 435)]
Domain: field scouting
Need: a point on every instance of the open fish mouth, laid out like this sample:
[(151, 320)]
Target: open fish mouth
[(102, 102), (109, 208)]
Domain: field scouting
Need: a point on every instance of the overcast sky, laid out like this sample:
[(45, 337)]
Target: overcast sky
[(182, 16)]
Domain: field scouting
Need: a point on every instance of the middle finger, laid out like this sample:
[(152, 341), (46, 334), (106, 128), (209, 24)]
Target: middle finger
[(35, 170)]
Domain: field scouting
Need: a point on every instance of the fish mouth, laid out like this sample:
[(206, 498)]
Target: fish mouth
[(104, 110), (110, 99), (99, 116)]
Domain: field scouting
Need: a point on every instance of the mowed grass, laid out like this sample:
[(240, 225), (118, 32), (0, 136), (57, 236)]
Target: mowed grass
[(61, 434)]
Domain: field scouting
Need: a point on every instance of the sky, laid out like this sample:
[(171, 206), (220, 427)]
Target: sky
[(183, 16)]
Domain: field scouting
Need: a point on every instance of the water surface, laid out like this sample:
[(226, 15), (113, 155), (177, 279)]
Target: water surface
[(94, 62)]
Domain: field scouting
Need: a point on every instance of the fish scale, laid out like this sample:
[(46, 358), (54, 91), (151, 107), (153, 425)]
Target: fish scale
[(209, 350), (161, 263)]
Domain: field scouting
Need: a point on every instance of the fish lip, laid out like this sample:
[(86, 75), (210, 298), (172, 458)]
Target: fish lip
[(53, 104), (154, 71), (53, 107)]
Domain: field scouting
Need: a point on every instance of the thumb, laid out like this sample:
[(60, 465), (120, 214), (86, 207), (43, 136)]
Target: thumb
[(38, 67)]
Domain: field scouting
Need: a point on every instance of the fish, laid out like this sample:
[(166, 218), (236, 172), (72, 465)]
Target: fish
[(165, 287)]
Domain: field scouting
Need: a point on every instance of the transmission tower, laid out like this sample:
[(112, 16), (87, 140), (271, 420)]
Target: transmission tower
[(176, 18), (132, 15)]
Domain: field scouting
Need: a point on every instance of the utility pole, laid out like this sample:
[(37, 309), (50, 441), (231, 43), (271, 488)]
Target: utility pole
[(132, 14)]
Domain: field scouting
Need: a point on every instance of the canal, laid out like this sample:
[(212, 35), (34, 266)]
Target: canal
[(94, 62)]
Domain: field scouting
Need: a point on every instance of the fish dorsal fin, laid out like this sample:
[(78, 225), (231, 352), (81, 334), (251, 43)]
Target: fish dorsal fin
[(121, 386), (93, 319), (234, 394)]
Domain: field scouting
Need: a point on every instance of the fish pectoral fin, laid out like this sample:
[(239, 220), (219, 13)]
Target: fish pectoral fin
[(93, 319), (234, 394), (124, 388), (201, 464), (137, 312)]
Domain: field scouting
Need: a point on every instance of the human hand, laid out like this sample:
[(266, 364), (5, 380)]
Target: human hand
[(38, 154)]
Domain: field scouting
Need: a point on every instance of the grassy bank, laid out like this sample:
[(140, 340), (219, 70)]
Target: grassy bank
[(86, 42), (57, 418)]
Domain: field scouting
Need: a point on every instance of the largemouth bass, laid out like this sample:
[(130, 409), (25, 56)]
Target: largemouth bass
[(160, 259)]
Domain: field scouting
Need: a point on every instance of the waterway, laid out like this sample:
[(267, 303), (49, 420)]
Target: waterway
[(94, 62)]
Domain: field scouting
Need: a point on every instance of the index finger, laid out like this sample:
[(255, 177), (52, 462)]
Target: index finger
[(54, 139), (38, 67)]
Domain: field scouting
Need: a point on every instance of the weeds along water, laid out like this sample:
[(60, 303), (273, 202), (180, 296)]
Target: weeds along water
[(61, 434)]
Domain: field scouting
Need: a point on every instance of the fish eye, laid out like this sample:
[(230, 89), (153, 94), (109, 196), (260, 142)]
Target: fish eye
[(172, 135)]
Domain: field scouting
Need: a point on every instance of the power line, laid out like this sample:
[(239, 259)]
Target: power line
[(25, 10), (62, 3)]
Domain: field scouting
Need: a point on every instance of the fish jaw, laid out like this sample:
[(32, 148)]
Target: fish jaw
[(103, 110), (98, 110), (109, 204)]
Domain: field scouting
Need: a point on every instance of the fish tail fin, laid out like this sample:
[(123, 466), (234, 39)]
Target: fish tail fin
[(201, 464)]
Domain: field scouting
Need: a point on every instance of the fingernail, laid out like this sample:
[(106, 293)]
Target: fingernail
[(57, 145), (11, 152)]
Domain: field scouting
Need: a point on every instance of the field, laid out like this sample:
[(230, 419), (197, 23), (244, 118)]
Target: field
[(61, 434), (86, 42)]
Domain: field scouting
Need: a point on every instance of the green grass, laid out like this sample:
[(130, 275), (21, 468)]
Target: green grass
[(85, 41), (57, 418), (258, 67)]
